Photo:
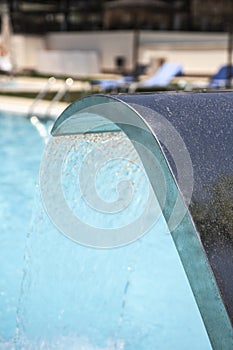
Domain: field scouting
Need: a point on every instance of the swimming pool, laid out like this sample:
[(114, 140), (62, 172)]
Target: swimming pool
[(57, 294)]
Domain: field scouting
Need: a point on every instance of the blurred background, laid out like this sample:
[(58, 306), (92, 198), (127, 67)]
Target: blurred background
[(91, 40)]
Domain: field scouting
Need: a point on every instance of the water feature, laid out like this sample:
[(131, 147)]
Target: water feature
[(67, 295)]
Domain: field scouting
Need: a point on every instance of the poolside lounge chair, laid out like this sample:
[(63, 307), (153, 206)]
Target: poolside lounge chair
[(219, 79), (162, 77), (112, 84)]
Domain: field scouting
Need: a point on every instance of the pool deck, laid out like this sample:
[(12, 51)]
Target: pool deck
[(36, 84), (41, 107), (20, 105)]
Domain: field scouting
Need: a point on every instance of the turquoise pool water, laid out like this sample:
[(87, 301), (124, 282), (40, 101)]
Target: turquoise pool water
[(21, 149), (56, 294)]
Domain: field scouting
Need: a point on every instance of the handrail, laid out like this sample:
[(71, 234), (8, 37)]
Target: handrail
[(61, 93), (58, 96), (51, 81)]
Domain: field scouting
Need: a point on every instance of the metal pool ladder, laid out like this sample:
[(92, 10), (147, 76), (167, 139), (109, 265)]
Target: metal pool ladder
[(58, 96)]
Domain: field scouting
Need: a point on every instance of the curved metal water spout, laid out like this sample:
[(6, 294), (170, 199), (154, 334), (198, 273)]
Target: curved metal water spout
[(185, 144)]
